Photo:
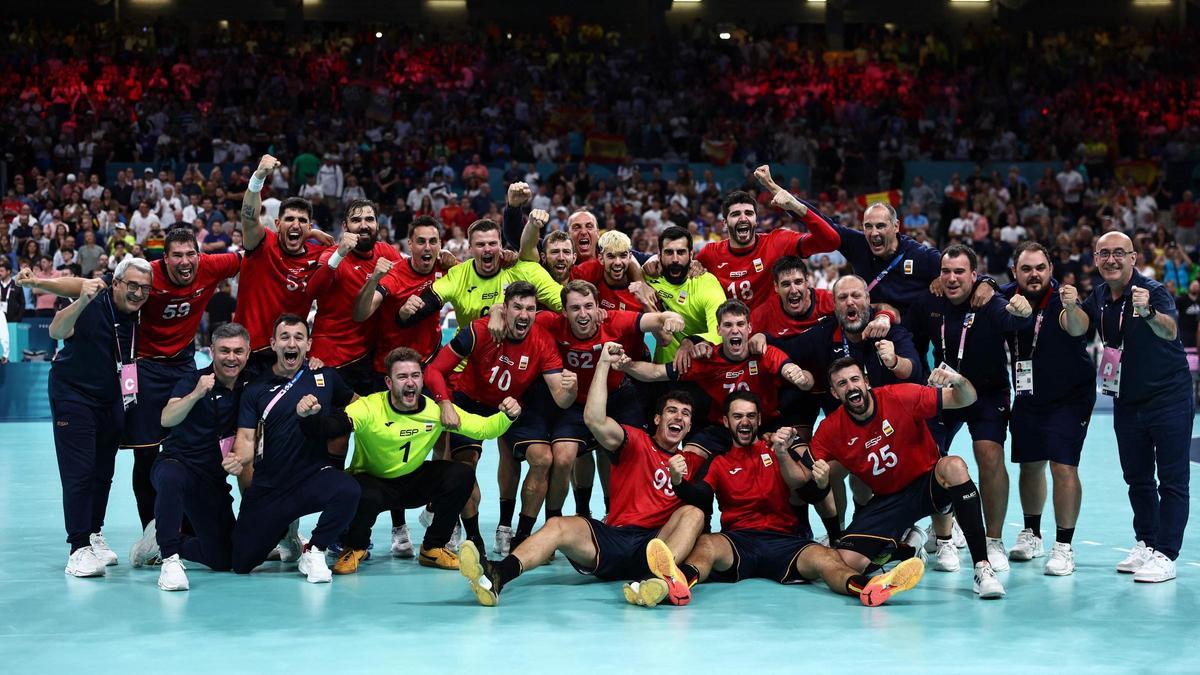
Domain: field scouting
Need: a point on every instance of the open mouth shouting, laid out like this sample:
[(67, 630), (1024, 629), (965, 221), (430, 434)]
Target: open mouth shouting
[(877, 242), (745, 434), (291, 359), (521, 326), (794, 301), (294, 237), (584, 243), (185, 273), (409, 395), (856, 401), (583, 322), (675, 431), (743, 230)]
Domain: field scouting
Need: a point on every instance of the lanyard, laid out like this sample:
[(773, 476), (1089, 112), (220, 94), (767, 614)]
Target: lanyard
[(968, 321), (891, 266), (1037, 329), (112, 311), (1120, 323), (282, 392)]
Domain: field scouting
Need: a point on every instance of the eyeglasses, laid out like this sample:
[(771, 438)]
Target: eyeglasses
[(141, 289), (1106, 254)]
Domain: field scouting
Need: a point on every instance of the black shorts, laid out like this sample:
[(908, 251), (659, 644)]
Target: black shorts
[(763, 555), (624, 406), (531, 427), (879, 524), (620, 552), (156, 380), (1050, 433), (714, 439), (360, 376), (986, 420)]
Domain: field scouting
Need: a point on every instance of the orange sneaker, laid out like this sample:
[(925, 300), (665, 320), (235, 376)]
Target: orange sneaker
[(662, 564), (882, 587)]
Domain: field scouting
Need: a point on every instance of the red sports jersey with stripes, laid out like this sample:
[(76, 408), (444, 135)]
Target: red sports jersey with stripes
[(172, 314), (274, 282), (751, 491), (337, 338), (745, 274), (580, 355), (498, 370), (719, 377), (610, 298), (890, 450), (642, 495), (770, 318), (397, 286)]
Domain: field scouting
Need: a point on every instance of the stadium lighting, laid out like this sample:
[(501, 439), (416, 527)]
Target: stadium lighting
[(686, 2), (1153, 3), (378, 35), (724, 35), (970, 2), (446, 4)]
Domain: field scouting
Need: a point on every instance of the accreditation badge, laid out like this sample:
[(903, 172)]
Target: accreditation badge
[(1023, 376)]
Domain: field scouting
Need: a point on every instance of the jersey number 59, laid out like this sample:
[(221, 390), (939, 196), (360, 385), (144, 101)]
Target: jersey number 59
[(177, 310)]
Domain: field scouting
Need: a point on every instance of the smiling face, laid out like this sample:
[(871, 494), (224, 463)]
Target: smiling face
[(615, 265), (560, 256), (424, 243), (673, 422), (742, 421), (958, 279), (229, 357), (405, 382), (880, 230), (291, 343), (850, 386), (582, 228), (132, 291), (1032, 272), (181, 259), (294, 226), (518, 314), (582, 314), (741, 222), (361, 221), (1115, 257), (792, 288), (851, 304)]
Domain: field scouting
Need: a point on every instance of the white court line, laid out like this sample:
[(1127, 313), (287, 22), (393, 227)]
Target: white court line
[(1122, 550), (1020, 525), (1091, 543), (1193, 564)]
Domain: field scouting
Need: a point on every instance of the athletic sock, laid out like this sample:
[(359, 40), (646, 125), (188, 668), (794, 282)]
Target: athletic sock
[(583, 501), (607, 506), (1034, 523), (969, 513), (856, 583), (525, 525), (553, 513), (397, 517), (1064, 535), (506, 570), (471, 529), (833, 527), (507, 508), (690, 573)]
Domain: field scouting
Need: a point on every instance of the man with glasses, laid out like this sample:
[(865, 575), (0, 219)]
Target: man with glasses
[(1144, 369)]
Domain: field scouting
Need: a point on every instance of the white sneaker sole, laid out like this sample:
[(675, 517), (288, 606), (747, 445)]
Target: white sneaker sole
[(165, 587), (999, 566), (83, 574), (1154, 580), (990, 595), (1017, 555), (1059, 573)]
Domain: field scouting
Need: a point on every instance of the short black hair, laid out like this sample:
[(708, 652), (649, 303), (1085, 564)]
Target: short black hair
[(289, 320), (1027, 246), (357, 205), (742, 395), (679, 395), (788, 263), (671, 234), (737, 197), (734, 307), (180, 235), (957, 250), (519, 289), (425, 221), (845, 362), (297, 204)]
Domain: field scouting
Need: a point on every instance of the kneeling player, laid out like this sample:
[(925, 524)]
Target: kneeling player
[(761, 535), (880, 436), (646, 519), (394, 431)]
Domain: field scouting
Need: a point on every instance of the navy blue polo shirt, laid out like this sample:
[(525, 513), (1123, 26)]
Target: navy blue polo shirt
[(984, 362), (1150, 365), (196, 441), (819, 346), (288, 454), (908, 281), (1062, 369), (85, 369)]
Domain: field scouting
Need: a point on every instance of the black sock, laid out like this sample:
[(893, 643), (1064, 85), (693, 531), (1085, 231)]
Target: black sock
[(471, 529), (507, 508), (969, 513), (833, 527), (903, 552), (506, 570), (1034, 522), (583, 500), (856, 583), (553, 513), (397, 517), (525, 525), (1064, 535), (606, 505), (690, 573)]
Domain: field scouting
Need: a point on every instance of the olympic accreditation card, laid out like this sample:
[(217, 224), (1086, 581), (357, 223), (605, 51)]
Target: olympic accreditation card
[(1023, 376)]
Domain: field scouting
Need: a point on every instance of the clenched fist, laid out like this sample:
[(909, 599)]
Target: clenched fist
[(307, 406), (266, 166), (678, 467), (382, 267), (519, 194), (1069, 295), (1019, 306), (510, 407)]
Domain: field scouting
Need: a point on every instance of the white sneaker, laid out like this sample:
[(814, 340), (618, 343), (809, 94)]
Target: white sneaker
[(503, 545), (1157, 569), (915, 537), (402, 543), (101, 549), (1136, 558), (291, 547), (84, 563), (987, 585), (1027, 547), (171, 577), (1061, 562), (996, 555), (313, 565), (947, 557), (426, 518), (930, 540), (823, 540), (456, 539), (960, 539), (146, 548)]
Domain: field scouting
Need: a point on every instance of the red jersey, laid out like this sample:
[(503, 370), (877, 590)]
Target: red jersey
[(890, 450), (642, 495), (581, 354), (495, 371), (719, 377), (397, 286), (745, 274), (172, 314), (274, 282), (610, 297), (337, 339), (751, 492), (770, 319)]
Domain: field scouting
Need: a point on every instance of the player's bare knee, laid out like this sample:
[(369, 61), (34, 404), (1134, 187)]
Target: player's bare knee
[(952, 470), (1064, 472)]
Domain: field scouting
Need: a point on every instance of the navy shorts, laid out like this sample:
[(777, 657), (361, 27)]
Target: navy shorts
[(879, 524), (986, 420), (1050, 433), (624, 406), (763, 555), (156, 380), (531, 427), (620, 552)]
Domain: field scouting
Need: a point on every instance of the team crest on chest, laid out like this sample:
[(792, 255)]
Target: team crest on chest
[(908, 267), (754, 367), (428, 427), (887, 428), (758, 264), (682, 297), (524, 364), (767, 459), (319, 379)]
